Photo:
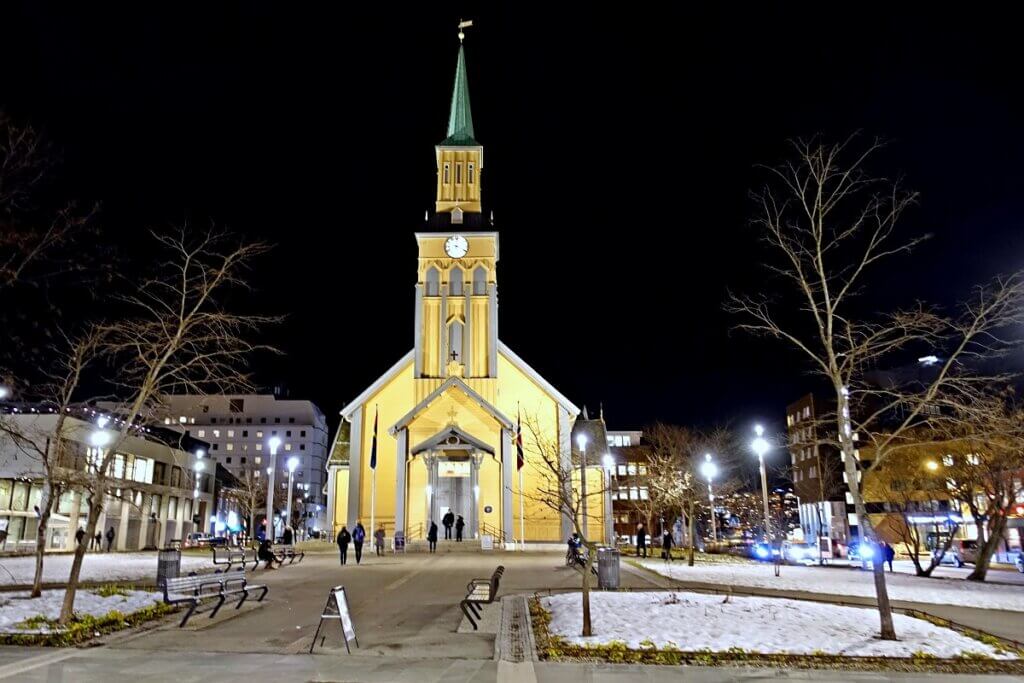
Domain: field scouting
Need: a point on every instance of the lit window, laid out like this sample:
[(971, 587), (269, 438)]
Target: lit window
[(231, 433), (201, 433), (259, 447), (216, 433), (973, 458), (167, 420), (287, 446), (192, 420), (259, 434), (643, 493), (947, 460), (627, 440), (643, 469), (631, 468), (230, 447), (256, 475), (258, 460)]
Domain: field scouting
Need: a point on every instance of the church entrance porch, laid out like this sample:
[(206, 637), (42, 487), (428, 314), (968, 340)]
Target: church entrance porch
[(454, 483)]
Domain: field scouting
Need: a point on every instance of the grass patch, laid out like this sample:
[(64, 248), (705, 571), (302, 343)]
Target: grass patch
[(82, 627), (111, 589), (683, 555), (551, 647)]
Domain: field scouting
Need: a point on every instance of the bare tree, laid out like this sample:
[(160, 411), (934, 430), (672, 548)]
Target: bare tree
[(830, 223), (251, 496), (675, 481), (559, 489), (176, 337), (49, 448)]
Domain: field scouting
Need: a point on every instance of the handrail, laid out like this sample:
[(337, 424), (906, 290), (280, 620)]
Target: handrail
[(492, 531)]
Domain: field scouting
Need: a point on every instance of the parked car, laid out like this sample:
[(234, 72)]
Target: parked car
[(960, 552), (197, 539), (800, 553)]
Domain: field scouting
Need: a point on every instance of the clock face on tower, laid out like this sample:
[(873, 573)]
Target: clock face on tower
[(456, 246)]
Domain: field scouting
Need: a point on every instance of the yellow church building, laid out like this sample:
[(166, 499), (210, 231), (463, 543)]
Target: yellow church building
[(441, 423)]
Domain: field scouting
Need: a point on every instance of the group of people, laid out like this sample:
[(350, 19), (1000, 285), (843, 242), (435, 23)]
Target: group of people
[(96, 542), (448, 521), (357, 537), (641, 543)]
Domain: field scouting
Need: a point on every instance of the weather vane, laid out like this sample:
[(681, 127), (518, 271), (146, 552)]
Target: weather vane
[(462, 25)]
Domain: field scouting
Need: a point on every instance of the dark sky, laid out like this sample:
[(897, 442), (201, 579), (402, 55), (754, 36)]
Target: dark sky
[(620, 148)]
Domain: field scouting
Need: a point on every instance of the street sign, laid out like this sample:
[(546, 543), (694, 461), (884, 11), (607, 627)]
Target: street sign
[(825, 547), (337, 608), (487, 542), (398, 542)]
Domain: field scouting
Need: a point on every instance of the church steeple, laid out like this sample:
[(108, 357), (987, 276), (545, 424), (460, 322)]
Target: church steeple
[(460, 158), (460, 118)]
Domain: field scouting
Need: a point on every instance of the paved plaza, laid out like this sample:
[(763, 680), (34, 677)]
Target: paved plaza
[(406, 615)]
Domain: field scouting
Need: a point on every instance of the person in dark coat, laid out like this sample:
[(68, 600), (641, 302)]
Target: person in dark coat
[(266, 554), (666, 546), (79, 535), (344, 538), (460, 524), (448, 520), (432, 537), (97, 542), (641, 540), (358, 536), (110, 538), (288, 537), (890, 554), (378, 541)]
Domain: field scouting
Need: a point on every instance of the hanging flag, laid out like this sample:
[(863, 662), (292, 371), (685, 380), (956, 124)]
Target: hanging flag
[(520, 460), (373, 446)]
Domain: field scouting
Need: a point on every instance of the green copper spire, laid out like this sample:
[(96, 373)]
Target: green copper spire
[(460, 119)]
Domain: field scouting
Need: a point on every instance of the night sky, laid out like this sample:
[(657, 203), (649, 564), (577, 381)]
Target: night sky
[(620, 150)]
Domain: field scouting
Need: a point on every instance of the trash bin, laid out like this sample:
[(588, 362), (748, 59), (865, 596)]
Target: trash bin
[(608, 568), (168, 565)]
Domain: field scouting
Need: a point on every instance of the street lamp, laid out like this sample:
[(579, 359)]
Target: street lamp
[(710, 471), (4, 392), (274, 443), (581, 440), (760, 446), (932, 465), (293, 462), (609, 466)]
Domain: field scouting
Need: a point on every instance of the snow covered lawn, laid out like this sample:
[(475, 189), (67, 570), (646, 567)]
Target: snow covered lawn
[(95, 567), (692, 621), (846, 581), (15, 607)]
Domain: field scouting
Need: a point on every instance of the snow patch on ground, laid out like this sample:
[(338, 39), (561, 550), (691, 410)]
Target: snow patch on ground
[(16, 607), (692, 621), (846, 581), (95, 567)]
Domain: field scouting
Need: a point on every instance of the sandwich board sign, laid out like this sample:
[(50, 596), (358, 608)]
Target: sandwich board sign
[(337, 608)]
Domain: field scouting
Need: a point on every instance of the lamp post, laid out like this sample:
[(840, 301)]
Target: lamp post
[(293, 462), (760, 447), (609, 467), (581, 440), (709, 470), (273, 443)]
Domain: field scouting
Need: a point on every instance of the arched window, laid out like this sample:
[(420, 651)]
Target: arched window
[(447, 171), (480, 280), (433, 282), (455, 282), (455, 341), (471, 169)]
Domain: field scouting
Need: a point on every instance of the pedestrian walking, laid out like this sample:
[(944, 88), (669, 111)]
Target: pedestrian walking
[(432, 537), (97, 541), (378, 541), (344, 538), (110, 538), (79, 535), (460, 524), (641, 540), (890, 554), (3, 532), (358, 536), (666, 546), (448, 520)]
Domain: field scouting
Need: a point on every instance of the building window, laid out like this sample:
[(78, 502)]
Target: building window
[(259, 447), (947, 460), (287, 446), (255, 474), (213, 447), (455, 341), (472, 167), (973, 458), (277, 420), (303, 433), (183, 420), (228, 460), (231, 433), (273, 432), (288, 433), (245, 433), (302, 446), (291, 420), (216, 433), (258, 460), (213, 420), (812, 472), (447, 171), (230, 447), (458, 174), (455, 282), (248, 420), (622, 470), (263, 420), (201, 433), (236, 405), (480, 281), (259, 434)]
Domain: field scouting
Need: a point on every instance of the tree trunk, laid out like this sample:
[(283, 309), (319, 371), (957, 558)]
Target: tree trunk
[(591, 549), (68, 607), (986, 549), (45, 508), (693, 534)]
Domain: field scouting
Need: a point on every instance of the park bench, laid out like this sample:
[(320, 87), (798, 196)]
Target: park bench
[(231, 557), (480, 592), (287, 552), (194, 589)]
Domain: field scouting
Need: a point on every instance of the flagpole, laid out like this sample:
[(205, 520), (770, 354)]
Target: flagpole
[(522, 519), (373, 474)]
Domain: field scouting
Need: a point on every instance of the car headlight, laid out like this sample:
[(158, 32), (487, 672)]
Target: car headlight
[(761, 552)]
